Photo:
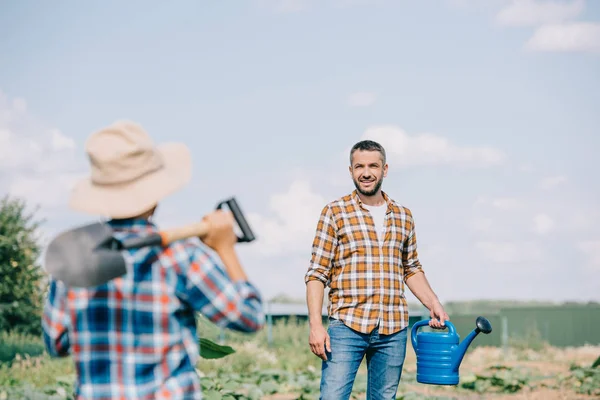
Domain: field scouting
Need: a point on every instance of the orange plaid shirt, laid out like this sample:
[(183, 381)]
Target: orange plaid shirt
[(366, 281)]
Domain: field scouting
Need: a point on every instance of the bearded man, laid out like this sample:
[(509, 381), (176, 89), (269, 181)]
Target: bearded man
[(365, 250)]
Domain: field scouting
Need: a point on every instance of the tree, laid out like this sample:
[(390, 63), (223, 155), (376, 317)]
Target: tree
[(21, 293), (20, 283)]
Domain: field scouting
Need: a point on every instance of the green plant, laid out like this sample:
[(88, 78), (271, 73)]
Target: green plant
[(258, 384), (14, 344), (211, 350), (500, 379), (532, 340), (20, 286), (585, 380)]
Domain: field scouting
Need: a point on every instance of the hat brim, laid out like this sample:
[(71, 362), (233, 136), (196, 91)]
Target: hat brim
[(134, 198)]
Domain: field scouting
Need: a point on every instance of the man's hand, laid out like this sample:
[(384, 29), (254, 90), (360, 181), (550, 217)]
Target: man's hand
[(220, 234), (438, 316), (319, 340)]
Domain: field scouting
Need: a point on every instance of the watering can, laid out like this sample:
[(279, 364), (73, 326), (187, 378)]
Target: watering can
[(439, 354)]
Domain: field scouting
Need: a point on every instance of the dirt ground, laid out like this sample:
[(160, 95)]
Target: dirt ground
[(546, 366)]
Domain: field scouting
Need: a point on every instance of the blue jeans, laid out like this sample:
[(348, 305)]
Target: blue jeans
[(385, 359)]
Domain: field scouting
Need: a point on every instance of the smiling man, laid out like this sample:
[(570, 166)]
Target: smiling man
[(365, 250)]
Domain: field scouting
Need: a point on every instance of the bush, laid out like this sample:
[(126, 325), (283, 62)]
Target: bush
[(20, 287), (12, 344)]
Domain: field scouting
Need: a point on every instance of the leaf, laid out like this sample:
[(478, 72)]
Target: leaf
[(269, 387), (231, 385), (212, 395), (255, 393), (596, 363), (211, 350)]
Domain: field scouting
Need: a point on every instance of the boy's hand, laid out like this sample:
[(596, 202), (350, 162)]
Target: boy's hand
[(220, 232)]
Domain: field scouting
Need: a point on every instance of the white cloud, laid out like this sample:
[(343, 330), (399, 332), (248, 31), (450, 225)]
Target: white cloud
[(568, 37), (552, 181), (526, 168), (556, 28), (476, 4), (49, 190), (501, 203), (583, 220), (284, 6), (508, 252), (458, 3), (535, 12), (60, 141), (591, 248), (38, 164), (482, 224), (430, 149), (506, 203), (361, 99), (543, 224), (293, 223)]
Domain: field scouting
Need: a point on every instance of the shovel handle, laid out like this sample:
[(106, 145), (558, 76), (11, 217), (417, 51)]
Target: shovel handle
[(198, 229), (167, 236)]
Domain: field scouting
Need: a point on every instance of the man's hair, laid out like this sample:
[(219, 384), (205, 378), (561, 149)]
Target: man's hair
[(368, 145)]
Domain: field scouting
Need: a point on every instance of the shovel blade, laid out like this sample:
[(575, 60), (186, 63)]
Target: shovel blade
[(86, 256)]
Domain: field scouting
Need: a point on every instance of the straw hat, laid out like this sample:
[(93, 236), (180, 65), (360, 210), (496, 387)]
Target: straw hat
[(129, 174)]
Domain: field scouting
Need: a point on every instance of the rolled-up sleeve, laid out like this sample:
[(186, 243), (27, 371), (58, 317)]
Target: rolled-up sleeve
[(410, 255), (206, 286), (56, 320), (323, 248)]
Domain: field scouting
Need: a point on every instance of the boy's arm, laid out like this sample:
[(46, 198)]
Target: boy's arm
[(228, 300), (216, 285), (56, 320)]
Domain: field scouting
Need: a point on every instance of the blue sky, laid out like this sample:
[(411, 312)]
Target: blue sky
[(489, 110)]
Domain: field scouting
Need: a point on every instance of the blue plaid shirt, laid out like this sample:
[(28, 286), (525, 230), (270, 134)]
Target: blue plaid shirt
[(135, 336)]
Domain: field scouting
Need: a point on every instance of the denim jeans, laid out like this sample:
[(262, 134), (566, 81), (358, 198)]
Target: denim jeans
[(385, 359)]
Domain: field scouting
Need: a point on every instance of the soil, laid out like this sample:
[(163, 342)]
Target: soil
[(547, 365)]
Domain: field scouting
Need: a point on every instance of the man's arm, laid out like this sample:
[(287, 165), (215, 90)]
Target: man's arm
[(56, 320), (323, 251), (420, 287), (417, 281), (315, 290)]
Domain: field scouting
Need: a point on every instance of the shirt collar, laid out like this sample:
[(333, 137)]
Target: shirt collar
[(133, 225), (391, 204)]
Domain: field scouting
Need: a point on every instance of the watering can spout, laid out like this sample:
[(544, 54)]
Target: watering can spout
[(482, 325)]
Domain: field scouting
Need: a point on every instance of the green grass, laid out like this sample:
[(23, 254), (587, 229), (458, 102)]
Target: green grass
[(13, 344), (258, 369)]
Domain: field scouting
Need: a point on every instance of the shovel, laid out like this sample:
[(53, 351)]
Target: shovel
[(90, 255)]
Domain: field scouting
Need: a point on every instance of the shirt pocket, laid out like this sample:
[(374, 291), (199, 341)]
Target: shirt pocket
[(352, 241)]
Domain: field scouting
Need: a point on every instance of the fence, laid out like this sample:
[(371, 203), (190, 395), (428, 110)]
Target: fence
[(560, 326)]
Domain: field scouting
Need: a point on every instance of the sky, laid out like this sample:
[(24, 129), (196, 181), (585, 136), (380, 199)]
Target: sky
[(488, 110)]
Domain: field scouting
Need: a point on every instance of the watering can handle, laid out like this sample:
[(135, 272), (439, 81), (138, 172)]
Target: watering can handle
[(424, 322)]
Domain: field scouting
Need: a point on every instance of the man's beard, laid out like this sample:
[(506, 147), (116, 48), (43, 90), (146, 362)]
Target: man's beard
[(371, 192)]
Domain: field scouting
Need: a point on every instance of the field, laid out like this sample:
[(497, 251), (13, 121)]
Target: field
[(528, 369)]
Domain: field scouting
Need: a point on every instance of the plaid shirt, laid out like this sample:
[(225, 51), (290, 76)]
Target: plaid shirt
[(135, 336), (366, 281)]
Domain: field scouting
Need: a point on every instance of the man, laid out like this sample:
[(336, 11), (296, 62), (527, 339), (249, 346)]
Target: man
[(135, 336), (365, 250)]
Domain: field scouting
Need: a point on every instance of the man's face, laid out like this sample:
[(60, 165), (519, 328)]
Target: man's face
[(367, 171)]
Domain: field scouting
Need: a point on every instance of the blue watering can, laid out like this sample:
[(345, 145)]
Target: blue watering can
[(439, 354)]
